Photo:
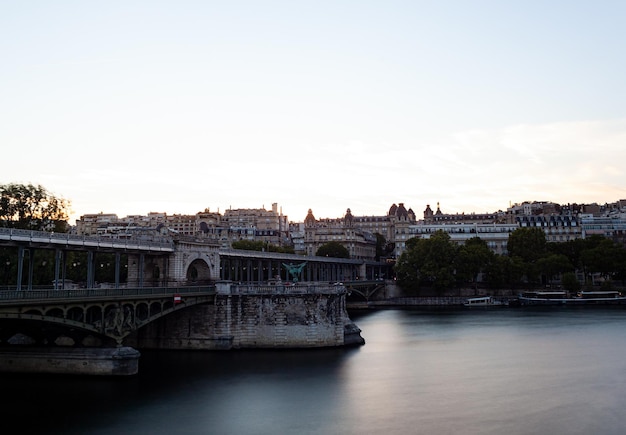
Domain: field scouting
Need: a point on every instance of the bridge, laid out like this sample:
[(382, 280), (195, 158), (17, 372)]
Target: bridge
[(177, 294), (90, 316), (163, 262)]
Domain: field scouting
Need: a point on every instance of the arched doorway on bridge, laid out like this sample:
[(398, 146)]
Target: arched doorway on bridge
[(198, 273)]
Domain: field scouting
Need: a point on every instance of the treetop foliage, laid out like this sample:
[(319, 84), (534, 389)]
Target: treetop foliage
[(439, 263), (31, 207), (259, 245), (333, 249)]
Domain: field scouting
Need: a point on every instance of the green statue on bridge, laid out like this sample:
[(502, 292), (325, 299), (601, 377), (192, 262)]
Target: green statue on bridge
[(294, 271)]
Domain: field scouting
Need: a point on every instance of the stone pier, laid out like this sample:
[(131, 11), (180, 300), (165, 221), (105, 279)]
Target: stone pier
[(253, 316)]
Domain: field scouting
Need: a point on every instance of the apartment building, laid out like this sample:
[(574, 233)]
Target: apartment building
[(561, 223), (359, 243), (258, 224)]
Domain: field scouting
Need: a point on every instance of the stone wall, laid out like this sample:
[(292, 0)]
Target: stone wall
[(255, 321)]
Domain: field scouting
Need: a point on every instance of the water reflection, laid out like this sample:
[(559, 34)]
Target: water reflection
[(513, 371)]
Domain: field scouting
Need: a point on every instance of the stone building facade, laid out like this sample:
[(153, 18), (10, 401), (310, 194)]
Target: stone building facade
[(359, 243), (561, 223)]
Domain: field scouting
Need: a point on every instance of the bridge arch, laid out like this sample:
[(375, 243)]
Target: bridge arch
[(193, 263), (198, 271)]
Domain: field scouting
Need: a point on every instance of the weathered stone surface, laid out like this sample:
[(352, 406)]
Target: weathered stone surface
[(255, 321)]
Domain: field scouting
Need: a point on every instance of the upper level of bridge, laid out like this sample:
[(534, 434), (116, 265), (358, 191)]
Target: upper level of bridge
[(13, 236), (142, 244), (165, 259)]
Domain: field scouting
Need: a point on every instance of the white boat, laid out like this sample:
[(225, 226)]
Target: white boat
[(482, 301)]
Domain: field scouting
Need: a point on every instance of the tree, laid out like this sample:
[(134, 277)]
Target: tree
[(333, 249), (553, 265), (505, 271), (570, 282), (572, 249), (428, 261), (439, 268), (529, 244), (605, 258), (381, 244), (473, 258), (248, 245), (406, 268), (32, 207), (259, 245)]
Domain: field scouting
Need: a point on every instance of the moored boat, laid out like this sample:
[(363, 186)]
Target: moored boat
[(482, 301), (544, 297), (600, 297), (559, 297)]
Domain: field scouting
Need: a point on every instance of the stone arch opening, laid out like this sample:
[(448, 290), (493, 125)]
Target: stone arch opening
[(198, 273)]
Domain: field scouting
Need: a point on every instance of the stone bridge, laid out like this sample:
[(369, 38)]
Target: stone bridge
[(89, 317), (96, 331), (179, 294)]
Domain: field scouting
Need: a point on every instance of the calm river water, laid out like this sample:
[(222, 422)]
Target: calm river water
[(497, 371)]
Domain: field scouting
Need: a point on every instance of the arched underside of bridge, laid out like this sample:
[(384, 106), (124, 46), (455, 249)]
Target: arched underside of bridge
[(84, 325), (365, 291)]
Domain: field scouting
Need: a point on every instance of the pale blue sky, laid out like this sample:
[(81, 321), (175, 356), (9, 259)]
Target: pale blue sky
[(130, 107)]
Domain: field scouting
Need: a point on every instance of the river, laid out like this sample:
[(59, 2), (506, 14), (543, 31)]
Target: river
[(498, 371)]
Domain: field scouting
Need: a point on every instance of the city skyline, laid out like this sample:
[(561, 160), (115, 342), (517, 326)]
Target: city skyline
[(419, 214), (138, 107)]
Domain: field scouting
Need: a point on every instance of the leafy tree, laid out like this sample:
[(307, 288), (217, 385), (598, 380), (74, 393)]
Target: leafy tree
[(570, 282), (529, 244), (428, 261), (381, 244), (572, 249), (32, 208), (406, 267), (505, 271), (259, 245), (473, 258), (606, 258), (333, 249), (553, 265)]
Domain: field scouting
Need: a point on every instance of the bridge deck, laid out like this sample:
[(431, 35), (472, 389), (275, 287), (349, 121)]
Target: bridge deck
[(40, 238)]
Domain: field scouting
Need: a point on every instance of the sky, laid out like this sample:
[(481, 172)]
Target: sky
[(131, 107)]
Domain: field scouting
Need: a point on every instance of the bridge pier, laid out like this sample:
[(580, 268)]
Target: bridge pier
[(258, 316)]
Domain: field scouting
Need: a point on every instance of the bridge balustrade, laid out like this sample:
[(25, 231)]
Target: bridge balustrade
[(102, 293), (309, 288)]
